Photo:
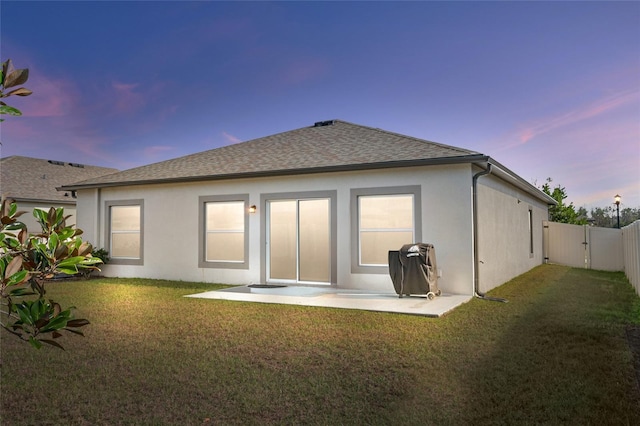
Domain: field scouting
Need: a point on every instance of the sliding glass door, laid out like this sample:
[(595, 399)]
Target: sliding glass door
[(299, 240)]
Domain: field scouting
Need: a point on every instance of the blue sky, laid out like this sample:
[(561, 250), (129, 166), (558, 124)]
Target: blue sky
[(549, 89)]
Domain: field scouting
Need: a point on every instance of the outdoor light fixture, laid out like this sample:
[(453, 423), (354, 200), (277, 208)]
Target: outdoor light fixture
[(253, 209), (616, 201)]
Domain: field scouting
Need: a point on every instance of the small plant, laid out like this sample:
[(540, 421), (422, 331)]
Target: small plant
[(101, 254)]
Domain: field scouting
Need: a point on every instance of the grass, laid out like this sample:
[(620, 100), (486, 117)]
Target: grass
[(556, 353)]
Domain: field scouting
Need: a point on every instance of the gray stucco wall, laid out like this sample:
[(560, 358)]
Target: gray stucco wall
[(171, 224), (503, 232)]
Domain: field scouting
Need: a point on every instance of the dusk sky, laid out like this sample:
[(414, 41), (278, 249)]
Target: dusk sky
[(549, 89)]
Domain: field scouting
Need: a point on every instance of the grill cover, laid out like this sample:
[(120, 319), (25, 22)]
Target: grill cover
[(413, 269)]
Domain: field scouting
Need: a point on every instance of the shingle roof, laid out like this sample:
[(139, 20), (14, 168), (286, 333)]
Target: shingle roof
[(326, 146), (34, 179)]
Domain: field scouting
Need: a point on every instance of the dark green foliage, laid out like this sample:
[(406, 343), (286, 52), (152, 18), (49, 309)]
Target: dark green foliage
[(101, 254), (562, 212)]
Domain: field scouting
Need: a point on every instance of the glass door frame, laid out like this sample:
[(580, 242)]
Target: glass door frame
[(264, 222)]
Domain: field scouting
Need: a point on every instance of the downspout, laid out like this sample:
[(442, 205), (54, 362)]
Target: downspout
[(476, 261)]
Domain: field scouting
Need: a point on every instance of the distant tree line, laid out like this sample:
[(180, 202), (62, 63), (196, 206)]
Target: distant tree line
[(605, 217)]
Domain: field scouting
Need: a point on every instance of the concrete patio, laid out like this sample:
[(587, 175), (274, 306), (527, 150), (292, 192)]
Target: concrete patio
[(340, 298)]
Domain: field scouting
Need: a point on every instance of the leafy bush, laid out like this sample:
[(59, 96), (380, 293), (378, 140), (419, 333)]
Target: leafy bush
[(27, 261)]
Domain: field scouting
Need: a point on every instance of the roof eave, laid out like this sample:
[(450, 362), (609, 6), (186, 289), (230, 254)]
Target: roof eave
[(288, 172), (507, 175)]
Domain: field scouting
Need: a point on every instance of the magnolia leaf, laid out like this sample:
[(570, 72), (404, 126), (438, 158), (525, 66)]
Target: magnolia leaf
[(80, 322), (23, 313), (41, 323), (18, 278), (35, 343), (53, 241), (6, 109), (40, 215), (90, 261), (69, 270), (56, 323), (52, 343), (66, 233), (85, 249), (17, 292), (7, 68), (61, 251), (71, 330), (20, 91), (71, 261), (14, 266), (16, 78)]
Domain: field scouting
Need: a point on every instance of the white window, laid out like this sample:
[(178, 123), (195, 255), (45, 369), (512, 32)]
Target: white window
[(125, 232), (225, 231), (386, 222)]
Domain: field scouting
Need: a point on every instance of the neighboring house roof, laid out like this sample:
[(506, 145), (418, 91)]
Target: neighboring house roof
[(326, 146), (34, 179)]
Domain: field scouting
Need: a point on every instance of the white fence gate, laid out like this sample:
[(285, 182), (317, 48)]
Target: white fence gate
[(595, 248), (583, 246)]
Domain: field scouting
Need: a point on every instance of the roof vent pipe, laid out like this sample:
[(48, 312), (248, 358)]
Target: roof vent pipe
[(476, 261)]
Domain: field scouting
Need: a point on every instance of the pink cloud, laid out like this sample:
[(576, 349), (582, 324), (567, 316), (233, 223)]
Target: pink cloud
[(126, 98), (230, 138), (588, 111)]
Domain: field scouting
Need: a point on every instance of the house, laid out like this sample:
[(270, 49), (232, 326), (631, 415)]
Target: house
[(321, 205), (32, 183)]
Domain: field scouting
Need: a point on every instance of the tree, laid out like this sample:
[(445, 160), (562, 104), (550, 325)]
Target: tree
[(607, 217), (562, 212), (602, 217), (28, 261)]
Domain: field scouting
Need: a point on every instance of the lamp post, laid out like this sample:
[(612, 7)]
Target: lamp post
[(617, 203)]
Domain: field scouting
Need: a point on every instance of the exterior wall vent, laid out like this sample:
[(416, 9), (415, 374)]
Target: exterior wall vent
[(323, 123)]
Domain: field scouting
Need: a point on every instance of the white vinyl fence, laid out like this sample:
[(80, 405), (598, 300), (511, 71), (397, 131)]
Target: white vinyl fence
[(589, 247), (631, 249)]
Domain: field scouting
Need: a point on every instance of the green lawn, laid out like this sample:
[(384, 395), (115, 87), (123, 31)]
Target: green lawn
[(556, 353)]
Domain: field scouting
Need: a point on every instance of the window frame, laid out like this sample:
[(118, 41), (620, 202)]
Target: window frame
[(530, 220), (202, 231), (109, 233), (356, 193)]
